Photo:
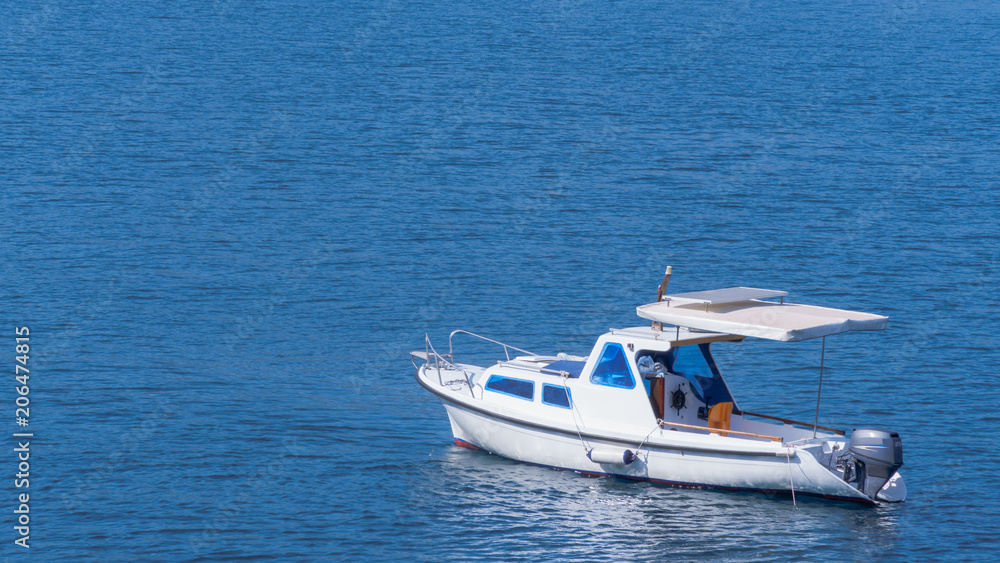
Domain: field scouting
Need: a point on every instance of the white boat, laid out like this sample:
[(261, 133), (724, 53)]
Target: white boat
[(650, 404)]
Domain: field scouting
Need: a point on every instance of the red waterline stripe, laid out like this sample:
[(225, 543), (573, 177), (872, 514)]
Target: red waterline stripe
[(464, 444)]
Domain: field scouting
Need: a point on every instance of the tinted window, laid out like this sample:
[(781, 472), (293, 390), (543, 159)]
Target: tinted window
[(555, 395), (612, 368), (510, 386)]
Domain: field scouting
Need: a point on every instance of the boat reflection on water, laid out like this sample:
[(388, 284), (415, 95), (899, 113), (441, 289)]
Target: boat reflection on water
[(521, 510)]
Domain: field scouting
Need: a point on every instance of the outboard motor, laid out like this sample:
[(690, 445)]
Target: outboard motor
[(874, 457)]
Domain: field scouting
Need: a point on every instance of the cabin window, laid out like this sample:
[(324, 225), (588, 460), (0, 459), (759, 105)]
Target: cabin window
[(555, 395), (612, 368), (519, 388)]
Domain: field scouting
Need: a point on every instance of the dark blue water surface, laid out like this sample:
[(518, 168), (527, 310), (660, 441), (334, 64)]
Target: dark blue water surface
[(227, 223)]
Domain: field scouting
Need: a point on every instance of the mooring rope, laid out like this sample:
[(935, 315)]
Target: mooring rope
[(788, 458), (646, 439), (573, 414)]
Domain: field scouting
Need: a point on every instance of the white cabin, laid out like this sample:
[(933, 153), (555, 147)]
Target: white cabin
[(633, 378)]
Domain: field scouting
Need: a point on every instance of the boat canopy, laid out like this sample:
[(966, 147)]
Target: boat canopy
[(740, 310)]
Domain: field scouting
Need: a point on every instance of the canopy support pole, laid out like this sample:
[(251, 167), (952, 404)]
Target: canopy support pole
[(822, 357)]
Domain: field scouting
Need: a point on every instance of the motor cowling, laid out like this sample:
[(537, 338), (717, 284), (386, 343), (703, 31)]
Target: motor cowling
[(875, 456)]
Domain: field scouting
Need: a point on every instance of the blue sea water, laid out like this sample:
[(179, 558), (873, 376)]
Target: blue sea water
[(227, 224)]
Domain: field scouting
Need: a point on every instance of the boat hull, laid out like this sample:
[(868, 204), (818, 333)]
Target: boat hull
[(531, 443)]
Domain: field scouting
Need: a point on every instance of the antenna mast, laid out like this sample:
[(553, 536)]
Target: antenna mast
[(657, 326)]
